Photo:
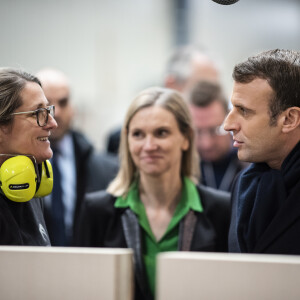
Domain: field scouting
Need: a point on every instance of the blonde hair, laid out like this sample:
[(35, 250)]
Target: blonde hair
[(174, 103)]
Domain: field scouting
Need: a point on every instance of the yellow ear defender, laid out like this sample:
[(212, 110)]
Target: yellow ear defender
[(46, 180), (21, 179)]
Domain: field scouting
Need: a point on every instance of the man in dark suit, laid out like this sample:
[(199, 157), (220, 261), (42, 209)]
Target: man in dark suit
[(265, 121), (77, 167)]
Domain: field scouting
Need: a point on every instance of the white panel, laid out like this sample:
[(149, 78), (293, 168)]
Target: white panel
[(41, 273), (211, 276)]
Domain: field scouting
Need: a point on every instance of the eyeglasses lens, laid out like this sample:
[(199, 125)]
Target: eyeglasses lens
[(42, 116)]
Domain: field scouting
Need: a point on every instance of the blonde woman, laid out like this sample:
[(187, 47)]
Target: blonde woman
[(154, 203)]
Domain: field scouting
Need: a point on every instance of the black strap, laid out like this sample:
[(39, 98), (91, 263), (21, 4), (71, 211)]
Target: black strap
[(186, 231), (132, 234)]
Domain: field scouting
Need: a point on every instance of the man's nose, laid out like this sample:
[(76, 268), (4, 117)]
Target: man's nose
[(229, 122), (204, 140)]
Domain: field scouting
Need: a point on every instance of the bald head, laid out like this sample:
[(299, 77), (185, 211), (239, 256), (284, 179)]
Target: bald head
[(187, 66), (52, 77), (56, 87)]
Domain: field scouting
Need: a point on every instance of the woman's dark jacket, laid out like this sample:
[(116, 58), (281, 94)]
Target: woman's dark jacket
[(103, 225), (22, 223)]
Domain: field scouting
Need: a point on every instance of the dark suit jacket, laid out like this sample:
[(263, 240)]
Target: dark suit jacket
[(103, 225), (113, 141), (221, 174), (93, 172)]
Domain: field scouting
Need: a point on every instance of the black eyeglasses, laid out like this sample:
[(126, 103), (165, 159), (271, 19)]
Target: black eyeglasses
[(41, 114)]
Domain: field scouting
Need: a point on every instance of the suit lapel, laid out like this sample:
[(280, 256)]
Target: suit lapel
[(196, 233)]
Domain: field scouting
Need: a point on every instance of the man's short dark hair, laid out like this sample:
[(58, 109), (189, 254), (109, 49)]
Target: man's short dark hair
[(281, 68), (206, 92)]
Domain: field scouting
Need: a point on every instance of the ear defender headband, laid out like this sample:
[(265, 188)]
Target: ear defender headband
[(21, 179)]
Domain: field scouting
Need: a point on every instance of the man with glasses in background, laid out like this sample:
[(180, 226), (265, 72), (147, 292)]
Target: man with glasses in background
[(219, 163), (76, 166)]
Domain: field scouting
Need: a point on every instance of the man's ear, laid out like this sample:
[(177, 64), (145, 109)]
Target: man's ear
[(171, 83), (291, 119)]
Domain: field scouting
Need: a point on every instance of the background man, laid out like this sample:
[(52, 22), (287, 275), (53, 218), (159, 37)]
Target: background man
[(186, 66), (219, 162), (265, 121), (77, 168)]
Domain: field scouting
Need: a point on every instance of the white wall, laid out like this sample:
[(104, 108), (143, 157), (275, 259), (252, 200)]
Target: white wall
[(111, 49), (235, 32)]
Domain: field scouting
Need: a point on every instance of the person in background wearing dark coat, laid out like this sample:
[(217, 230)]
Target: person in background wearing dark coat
[(77, 167), (218, 159), (265, 121), (26, 122), (154, 204)]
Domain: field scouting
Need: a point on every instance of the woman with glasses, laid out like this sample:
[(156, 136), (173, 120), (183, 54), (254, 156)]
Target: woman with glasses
[(26, 122), (154, 204)]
